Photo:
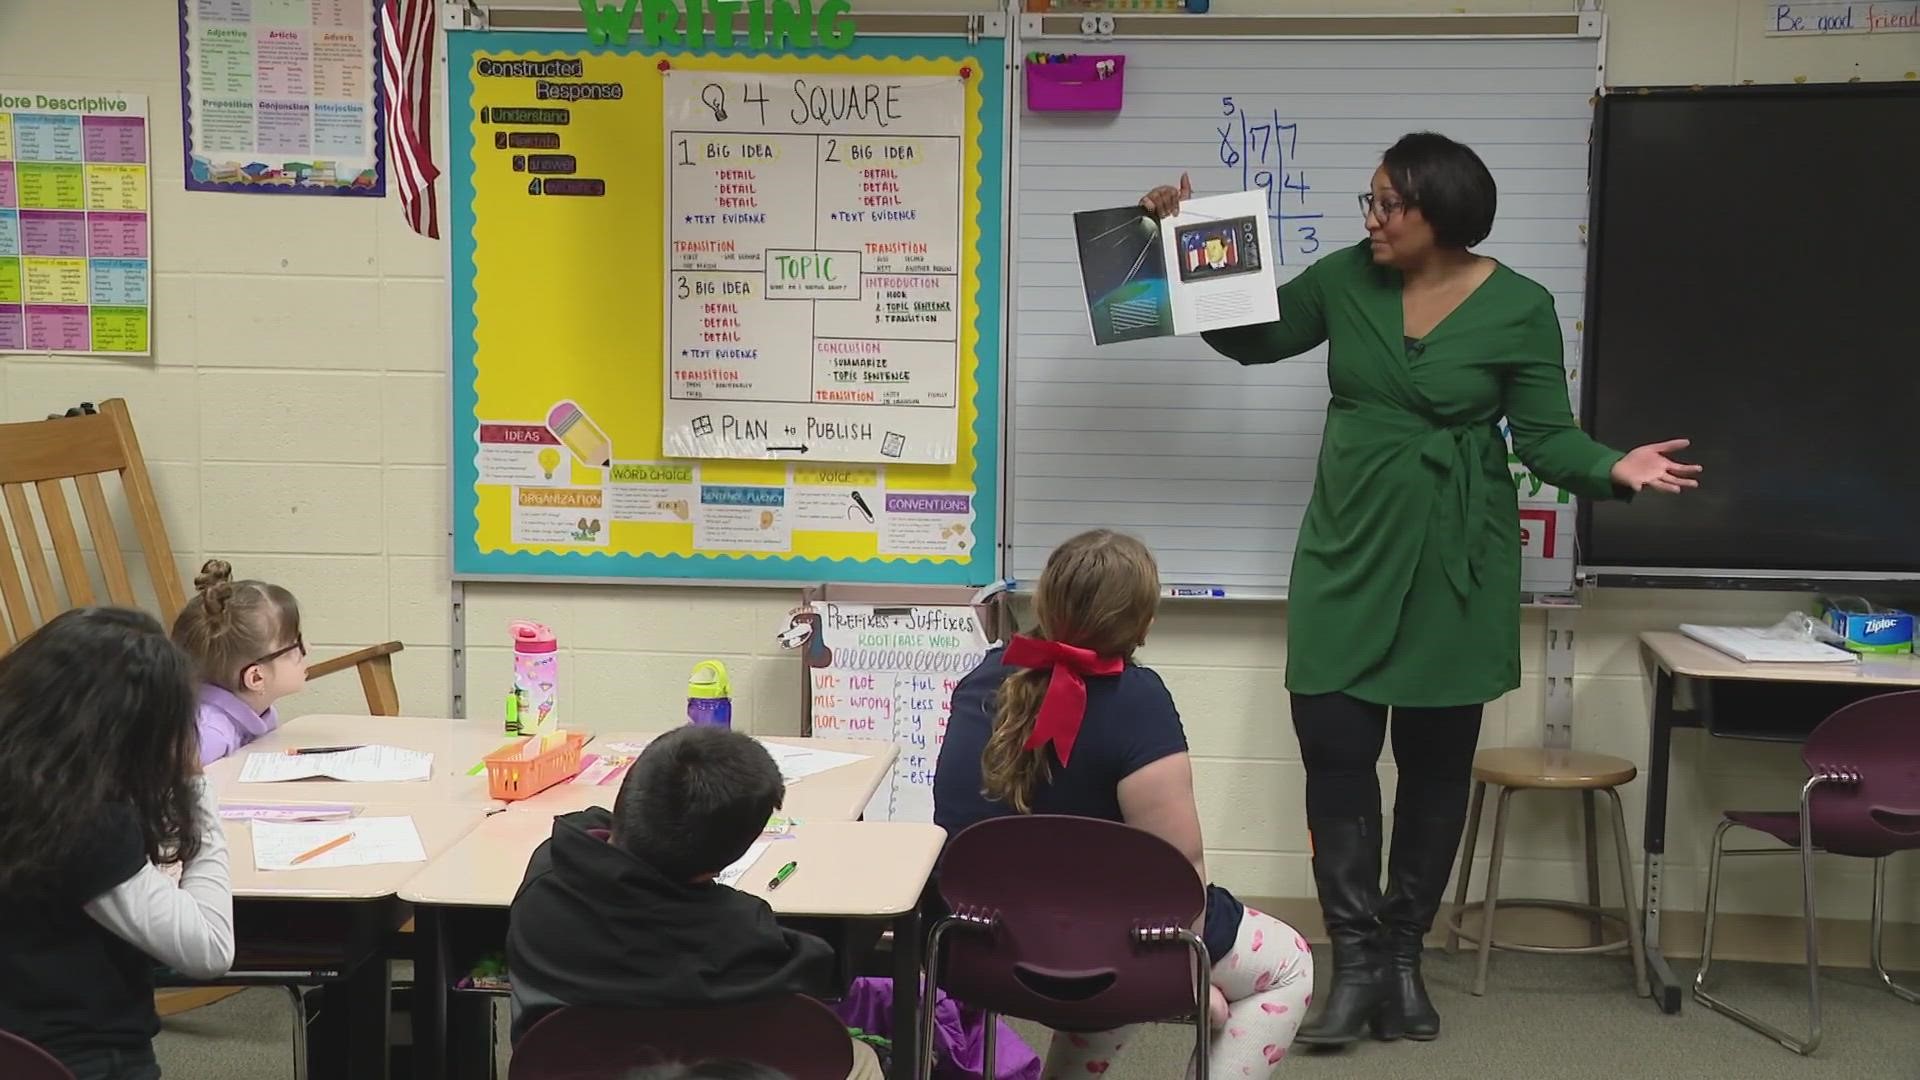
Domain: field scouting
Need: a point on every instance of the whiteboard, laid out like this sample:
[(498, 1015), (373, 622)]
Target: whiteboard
[(887, 672), (1210, 463)]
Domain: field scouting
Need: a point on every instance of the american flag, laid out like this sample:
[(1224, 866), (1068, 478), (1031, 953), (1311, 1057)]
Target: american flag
[(406, 77)]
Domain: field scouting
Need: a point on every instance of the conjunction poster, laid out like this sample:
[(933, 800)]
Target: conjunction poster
[(282, 96), (75, 235)]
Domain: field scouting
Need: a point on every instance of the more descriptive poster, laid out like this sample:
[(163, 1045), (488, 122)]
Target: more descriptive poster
[(75, 235), (814, 266), (888, 673), (282, 97)]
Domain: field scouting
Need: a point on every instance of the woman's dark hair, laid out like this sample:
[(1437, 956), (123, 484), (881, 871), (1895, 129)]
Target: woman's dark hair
[(96, 708), (709, 1070), (1448, 182)]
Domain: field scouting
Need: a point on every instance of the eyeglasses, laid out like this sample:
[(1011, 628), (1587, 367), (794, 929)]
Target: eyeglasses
[(299, 645), (1384, 209)]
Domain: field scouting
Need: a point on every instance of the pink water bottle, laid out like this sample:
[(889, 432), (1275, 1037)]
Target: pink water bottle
[(536, 673)]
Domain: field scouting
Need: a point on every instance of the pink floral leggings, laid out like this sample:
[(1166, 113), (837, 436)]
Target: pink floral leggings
[(1267, 981)]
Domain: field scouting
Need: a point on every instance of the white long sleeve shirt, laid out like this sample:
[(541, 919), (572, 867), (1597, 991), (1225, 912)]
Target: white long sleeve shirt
[(187, 926)]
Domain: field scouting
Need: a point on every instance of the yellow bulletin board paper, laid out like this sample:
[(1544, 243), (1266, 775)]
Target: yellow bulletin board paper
[(560, 279)]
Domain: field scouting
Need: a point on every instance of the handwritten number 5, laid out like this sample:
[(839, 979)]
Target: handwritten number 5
[(1226, 106)]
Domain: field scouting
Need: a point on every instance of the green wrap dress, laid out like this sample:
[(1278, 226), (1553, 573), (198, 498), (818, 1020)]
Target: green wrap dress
[(1406, 579)]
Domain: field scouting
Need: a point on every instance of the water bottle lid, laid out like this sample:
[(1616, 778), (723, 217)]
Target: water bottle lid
[(532, 637), (709, 680)]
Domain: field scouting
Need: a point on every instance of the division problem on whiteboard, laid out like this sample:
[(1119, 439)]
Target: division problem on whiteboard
[(1266, 152)]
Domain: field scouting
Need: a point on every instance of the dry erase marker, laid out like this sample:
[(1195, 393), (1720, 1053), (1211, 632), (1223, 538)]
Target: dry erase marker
[(1179, 592), (322, 849), (785, 873), (297, 751)]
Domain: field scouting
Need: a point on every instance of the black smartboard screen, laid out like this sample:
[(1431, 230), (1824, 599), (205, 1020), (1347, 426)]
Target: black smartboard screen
[(1754, 285)]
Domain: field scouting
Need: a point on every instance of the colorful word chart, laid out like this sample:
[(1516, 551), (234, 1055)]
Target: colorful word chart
[(75, 234)]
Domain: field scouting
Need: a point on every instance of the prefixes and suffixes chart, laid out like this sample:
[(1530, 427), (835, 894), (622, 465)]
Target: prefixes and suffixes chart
[(75, 239), (814, 262)]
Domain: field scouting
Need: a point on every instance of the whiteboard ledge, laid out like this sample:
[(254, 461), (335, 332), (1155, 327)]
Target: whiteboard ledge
[(1236, 27)]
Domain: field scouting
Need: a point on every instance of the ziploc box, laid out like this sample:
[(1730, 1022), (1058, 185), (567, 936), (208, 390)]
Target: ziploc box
[(1885, 631)]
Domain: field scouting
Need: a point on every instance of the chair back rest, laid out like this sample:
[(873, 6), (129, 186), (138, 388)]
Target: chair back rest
[(49, 458), (796, 1035), (22, 1060), (1064, 898), (1874, 744)]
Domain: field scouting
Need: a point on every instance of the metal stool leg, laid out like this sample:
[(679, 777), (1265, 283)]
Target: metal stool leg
[(1488, 906), (299, 1033), (988, 1044), (1471, 842), (1635, 946), (1878, 928), (1593, 863)]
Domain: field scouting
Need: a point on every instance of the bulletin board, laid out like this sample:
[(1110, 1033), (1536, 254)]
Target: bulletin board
[(577, 453)]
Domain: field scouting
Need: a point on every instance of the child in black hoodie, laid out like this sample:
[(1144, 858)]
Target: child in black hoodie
[(621, 909)]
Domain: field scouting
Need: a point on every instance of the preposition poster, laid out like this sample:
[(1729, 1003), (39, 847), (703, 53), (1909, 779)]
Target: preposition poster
[(282, 96), (569, 317), (813, 230), (888, 673), (75, 233)]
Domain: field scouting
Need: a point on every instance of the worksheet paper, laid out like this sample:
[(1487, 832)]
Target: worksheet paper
[(375, 840), (800, 762), (731, 875), (366, 765), (283, 812)]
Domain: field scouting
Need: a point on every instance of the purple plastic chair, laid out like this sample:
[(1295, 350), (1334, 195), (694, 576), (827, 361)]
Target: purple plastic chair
[(22, 1060), (1075, 923), (1863, 801), (794, 1034)]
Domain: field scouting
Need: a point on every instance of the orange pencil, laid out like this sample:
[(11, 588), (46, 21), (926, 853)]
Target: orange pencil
[(322, 849)]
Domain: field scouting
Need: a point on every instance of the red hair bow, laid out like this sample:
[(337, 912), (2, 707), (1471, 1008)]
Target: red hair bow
[(1065, 705)]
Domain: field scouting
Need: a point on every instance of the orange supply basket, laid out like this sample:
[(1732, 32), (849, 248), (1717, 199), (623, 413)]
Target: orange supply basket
[(511, 775)]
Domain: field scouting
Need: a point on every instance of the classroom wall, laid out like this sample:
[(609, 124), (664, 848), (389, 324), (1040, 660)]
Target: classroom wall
[(295, 419)]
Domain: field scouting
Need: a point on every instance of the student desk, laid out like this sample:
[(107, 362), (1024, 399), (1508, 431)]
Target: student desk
[(336, 921), (848, 872), (1696, 686), (456, 745), (838, 794)]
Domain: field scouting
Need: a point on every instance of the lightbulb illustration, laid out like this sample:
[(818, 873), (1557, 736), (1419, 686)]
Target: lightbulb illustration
[(716, 99), (549, 461)]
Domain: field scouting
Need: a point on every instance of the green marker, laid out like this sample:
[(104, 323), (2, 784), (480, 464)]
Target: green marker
[(513, 711), (785, 873)]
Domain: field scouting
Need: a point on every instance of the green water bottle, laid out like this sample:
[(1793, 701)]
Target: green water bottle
[(708, 702)]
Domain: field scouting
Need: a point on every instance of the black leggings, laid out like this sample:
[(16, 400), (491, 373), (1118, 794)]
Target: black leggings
[(1340, 742)]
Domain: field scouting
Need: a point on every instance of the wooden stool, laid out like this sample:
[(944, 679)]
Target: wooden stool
[(1526, 769)]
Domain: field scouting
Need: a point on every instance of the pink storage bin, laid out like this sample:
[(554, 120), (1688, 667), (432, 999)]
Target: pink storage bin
[(1075, 85)]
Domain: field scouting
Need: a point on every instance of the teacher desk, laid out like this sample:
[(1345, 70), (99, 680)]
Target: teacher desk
[(1695, 686)]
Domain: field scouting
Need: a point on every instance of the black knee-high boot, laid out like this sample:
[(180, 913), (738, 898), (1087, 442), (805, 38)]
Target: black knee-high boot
[(1417, 872), (1346, 870)]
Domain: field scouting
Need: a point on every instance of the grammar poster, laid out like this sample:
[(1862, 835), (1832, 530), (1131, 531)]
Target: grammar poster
[(282, 97), (76, 235), (777, 363)]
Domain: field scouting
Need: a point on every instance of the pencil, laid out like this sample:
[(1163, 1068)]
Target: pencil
[(321, 850)]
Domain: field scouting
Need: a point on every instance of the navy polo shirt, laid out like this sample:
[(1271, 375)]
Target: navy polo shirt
[(1131, 723)]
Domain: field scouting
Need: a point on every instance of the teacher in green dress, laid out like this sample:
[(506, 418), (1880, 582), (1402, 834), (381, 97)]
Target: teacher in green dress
[(1404, 600)]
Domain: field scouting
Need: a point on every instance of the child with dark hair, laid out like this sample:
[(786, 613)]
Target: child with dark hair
[(100, 786), (620, 909), (709, 1070)]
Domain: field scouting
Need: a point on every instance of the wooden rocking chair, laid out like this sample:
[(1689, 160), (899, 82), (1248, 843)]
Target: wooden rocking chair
[(78, 448)]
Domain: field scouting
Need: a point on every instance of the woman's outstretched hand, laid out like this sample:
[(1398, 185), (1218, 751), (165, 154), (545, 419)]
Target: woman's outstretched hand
[(1164, 201), (1649, 467)]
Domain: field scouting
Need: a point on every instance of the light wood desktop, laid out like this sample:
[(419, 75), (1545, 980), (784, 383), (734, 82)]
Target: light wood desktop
[(440, 828), (1681, 655), (839, 794), (456, 745), (848, 870)]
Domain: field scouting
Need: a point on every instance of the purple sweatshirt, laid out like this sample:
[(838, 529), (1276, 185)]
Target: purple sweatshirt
[(227, 723)]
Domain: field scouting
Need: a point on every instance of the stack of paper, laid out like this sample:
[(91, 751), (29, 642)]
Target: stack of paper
[(283, 812), (1751, 644), (371, 840), (366, 764)]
